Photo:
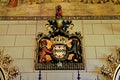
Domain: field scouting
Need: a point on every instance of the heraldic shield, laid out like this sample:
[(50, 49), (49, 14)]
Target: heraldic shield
[(59, 50)]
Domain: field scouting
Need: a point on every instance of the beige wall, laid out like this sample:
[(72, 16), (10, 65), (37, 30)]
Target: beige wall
[(100, 38)]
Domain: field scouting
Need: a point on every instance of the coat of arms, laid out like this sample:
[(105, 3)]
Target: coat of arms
[(59, 50)]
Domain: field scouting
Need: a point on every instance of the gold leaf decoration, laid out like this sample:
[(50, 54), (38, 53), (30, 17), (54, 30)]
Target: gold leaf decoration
[(112, 63), (6, 63)]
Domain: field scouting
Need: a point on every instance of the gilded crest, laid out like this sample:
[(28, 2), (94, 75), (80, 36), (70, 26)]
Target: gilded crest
[(59, 49)]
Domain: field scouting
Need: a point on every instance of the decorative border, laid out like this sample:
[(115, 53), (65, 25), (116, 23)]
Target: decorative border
[(52, 66), (115, 17)]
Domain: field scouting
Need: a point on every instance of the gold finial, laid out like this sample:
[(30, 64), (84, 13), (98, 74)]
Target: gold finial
[(48, 27), (71, 26)]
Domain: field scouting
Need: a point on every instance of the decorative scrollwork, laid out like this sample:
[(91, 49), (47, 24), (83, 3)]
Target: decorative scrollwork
[(112, 63), (5, 63)]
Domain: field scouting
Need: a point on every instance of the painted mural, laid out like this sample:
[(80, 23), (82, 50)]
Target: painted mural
[(71, 7)]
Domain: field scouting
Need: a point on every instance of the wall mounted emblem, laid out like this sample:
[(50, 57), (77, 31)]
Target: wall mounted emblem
[(59, 49)]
